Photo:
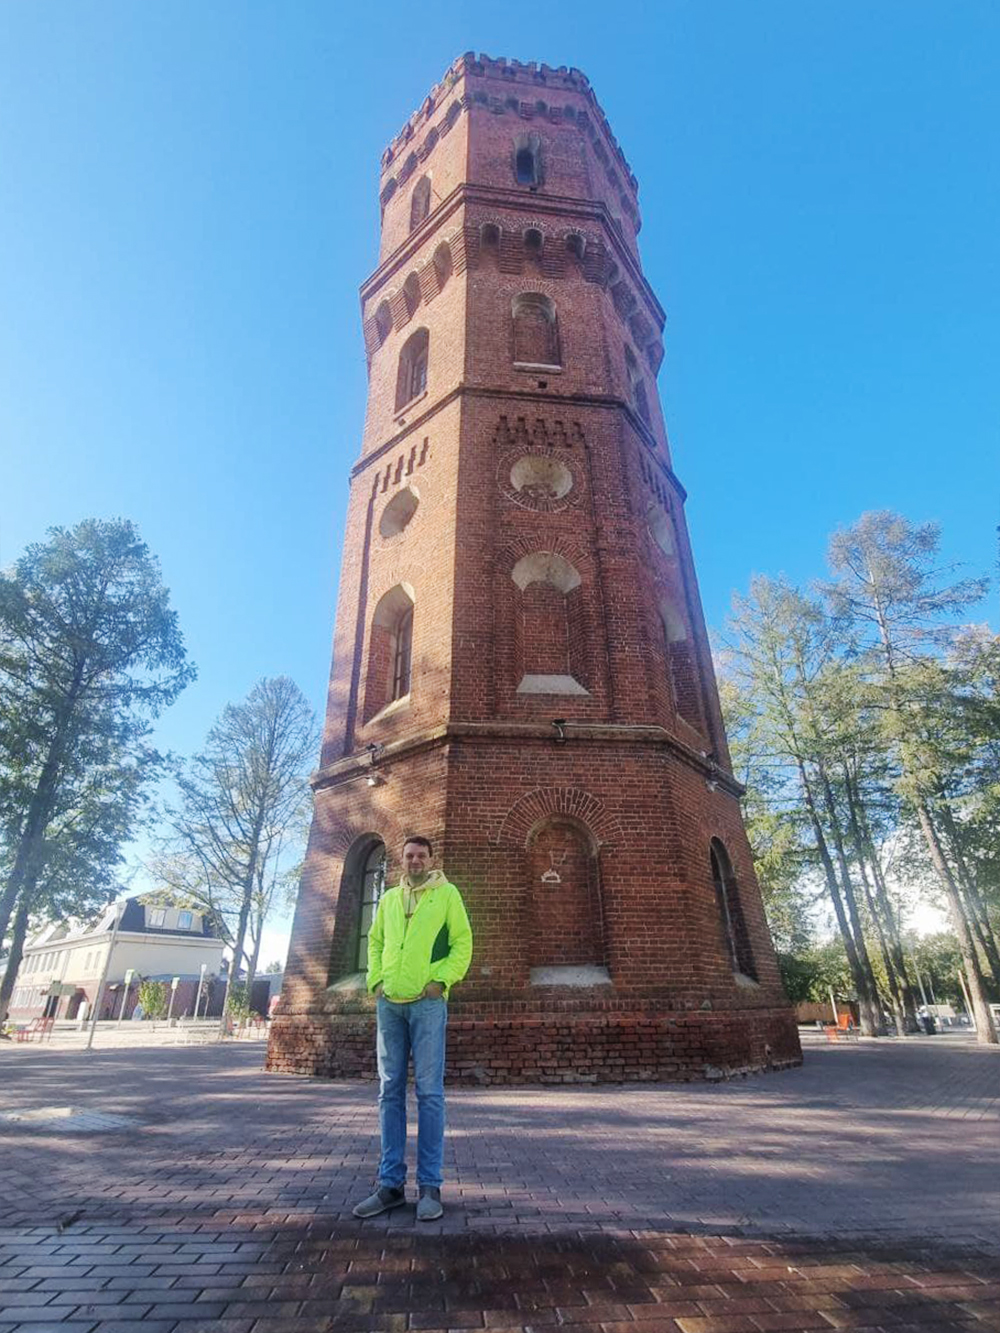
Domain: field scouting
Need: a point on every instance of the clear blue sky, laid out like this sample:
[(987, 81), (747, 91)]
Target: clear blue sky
[(190, 205)]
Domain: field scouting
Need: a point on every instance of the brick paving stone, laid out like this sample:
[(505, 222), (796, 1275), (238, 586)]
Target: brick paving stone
[(734, 1205)]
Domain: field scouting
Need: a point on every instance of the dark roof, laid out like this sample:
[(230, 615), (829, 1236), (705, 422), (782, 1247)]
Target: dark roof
[(134, 918)]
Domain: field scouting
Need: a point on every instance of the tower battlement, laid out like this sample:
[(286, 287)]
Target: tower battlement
[(520, 74)]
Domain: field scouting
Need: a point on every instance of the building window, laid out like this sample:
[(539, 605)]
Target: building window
[(636, 386), (420, 202), (411, 381), (731, 912), (390, 651), (372, 888), (528, 160), (184, 920), (157, 916), (402, 651), (536, 330)]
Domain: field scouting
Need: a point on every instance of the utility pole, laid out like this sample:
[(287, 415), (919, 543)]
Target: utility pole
[(119, 913)]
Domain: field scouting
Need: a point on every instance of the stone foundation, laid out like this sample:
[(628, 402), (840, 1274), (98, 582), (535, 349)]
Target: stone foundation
[(558, 1042)]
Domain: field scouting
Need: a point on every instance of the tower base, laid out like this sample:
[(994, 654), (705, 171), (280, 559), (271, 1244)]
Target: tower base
[(546, 1041)]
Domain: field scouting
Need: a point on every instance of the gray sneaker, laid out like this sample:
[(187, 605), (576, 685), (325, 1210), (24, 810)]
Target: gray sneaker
[(381, 1201), (429, 1206)]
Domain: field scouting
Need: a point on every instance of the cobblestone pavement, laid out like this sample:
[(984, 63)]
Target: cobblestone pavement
[(181, 1189)]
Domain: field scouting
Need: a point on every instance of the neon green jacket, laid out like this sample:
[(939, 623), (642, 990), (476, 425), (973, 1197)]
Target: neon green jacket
[(435, 945)]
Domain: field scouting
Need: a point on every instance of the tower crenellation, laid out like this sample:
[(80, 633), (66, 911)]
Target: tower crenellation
[(521, 666)]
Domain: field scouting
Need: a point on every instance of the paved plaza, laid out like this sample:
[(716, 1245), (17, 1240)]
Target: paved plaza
[(177, 1189)]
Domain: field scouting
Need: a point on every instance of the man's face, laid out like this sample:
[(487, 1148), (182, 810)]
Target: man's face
[(416, 862)]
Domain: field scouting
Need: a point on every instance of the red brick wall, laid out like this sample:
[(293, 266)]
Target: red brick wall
[(634, 786)]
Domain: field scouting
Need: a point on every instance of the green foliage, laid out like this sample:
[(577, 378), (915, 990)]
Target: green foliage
[(90, 653), (154, 996), (238, 999)]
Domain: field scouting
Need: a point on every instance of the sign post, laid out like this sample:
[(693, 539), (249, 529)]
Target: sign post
[(201, 982), (175, 982)]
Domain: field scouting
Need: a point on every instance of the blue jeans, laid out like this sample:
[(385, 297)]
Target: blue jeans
[(417, 1029)]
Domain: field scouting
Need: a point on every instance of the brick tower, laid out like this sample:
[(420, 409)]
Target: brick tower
[(520, 665)]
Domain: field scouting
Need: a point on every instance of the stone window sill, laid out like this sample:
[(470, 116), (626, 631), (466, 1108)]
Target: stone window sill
[(537, 367), (397, 706), (551, 685), (407, 407)]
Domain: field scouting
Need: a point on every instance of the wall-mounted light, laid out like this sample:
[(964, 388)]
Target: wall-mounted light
[(560, 725), (711, 784)]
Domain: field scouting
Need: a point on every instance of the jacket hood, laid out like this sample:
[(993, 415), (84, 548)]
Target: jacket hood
[(434, 880)]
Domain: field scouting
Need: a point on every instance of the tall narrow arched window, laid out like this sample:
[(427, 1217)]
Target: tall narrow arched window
[(420, 202), (372, 886), (536, 330), (528, 160), (733, 922), (636, 386), (390, 651), (411, 380)]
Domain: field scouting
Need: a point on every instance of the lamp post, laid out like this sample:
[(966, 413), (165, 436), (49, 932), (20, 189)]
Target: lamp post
[(126, 987), (119, 913)]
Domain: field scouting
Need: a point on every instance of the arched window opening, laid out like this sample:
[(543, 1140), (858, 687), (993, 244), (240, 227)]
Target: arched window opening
[(536, 331), (383, 321), (390, 651), (420, 202), (534, 243), (411, 380), (489, 241), (442, 263), (636, 386), (734, 925), (550, 629), (528, 160), (576, 245), (372, 886), (411, 294), (565, 925)]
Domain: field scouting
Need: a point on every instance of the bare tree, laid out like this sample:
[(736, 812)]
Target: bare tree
[(242, 804)]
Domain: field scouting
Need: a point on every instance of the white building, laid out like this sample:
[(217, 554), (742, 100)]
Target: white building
[(62, 965)]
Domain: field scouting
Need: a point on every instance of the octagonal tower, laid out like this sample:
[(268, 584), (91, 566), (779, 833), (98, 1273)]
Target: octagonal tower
[(521, 668)]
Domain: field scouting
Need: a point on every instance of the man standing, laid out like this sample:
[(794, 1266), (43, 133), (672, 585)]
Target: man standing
[(419, 945)]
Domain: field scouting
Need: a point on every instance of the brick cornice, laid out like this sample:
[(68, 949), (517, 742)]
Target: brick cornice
[(527, 396), (553, 205), (359, 765)]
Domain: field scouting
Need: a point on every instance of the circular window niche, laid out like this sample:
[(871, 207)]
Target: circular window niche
[(662, 530), (540, 478), (398, 512)]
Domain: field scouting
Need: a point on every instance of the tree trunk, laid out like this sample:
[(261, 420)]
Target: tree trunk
[(976, 909), (892, 925), (866, 1003), (14, 957), (7, 901), (896, 985), (864, 962), (985, 1031)]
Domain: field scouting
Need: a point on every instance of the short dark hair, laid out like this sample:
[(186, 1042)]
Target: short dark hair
[(421, 841)]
